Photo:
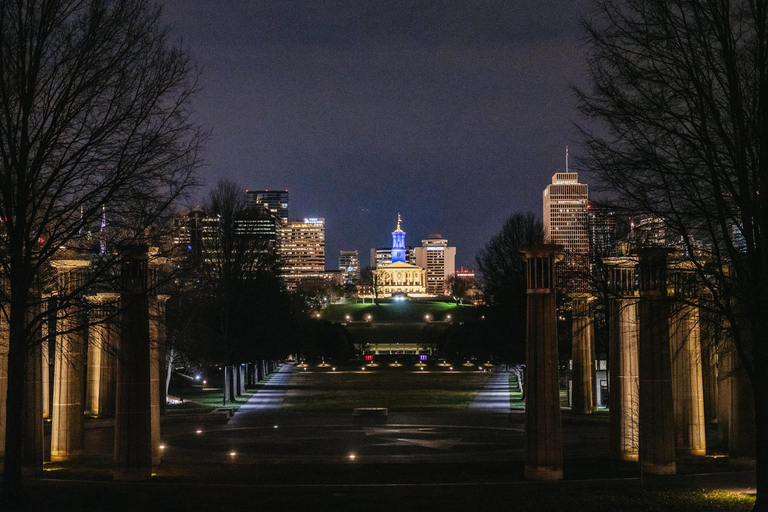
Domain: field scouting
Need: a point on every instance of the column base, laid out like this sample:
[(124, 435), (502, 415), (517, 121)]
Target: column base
[(543, 473), (69, 456), (628, 456), (659, 469), (131, 474), (686, 451)]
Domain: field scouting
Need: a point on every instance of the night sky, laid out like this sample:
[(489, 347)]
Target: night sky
[(453, 113)]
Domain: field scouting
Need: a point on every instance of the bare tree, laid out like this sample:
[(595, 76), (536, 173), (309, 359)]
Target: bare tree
[(233, 256), (679, 102), (95, 145)]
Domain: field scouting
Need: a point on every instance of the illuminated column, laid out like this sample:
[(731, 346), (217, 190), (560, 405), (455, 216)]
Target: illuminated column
[(543, 433), (133, 416), (657, 427), (583, 355), (157, 334), (69, 368), (623, 338), (102, 345), (685, 351), (243, 370)]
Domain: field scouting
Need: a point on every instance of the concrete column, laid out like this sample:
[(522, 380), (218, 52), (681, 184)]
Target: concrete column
[(709, 337), (133, 416), (158, 337), (657, 427), (45, 365), (103, 336), (623, 332), (687, 386), (584, 399), (69, 367), (741, 410), (543, 431), (243, 370), (32, 447), (4, 335)]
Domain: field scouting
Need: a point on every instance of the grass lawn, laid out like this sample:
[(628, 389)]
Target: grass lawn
[(406, 391), (400, 311)]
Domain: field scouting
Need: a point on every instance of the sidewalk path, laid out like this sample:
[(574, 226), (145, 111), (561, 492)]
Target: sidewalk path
[(270, 396), (494, 397)]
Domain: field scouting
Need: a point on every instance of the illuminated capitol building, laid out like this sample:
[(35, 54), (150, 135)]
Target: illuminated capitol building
[(402, 278)]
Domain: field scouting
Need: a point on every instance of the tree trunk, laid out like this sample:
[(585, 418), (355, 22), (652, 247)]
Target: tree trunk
[(12, 474)]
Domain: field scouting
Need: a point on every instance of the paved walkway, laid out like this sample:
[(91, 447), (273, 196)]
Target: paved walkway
[(270, 396), (494, 397)]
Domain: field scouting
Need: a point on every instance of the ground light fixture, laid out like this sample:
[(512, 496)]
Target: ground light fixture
[(162, 447), (351, 456), (198, 431), (232, 454), (275, 426)]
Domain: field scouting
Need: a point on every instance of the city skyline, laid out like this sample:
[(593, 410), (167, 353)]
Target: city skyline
[(454, 115)]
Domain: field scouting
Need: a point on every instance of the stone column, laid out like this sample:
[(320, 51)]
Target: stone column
[(583, 354), (543, 431), (69, 367), (623, 327), (709, 344), (741, 409), (158, 338), (4, 334), (685, 352), (133, 417), (657, 427), (102, 346), (32, 442)]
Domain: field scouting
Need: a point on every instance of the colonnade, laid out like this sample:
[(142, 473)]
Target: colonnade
[(667, 376)]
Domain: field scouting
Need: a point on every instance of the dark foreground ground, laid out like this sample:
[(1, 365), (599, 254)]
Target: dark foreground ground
[(277, 458)]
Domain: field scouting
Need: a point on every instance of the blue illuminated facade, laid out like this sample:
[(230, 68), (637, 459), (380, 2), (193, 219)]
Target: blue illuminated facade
[(398, 243)]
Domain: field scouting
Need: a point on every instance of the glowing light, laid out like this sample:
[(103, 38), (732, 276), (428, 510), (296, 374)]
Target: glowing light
[(205, 382), (198, 431), (232, 454), (352, 456), (162, 447), (275, 426)]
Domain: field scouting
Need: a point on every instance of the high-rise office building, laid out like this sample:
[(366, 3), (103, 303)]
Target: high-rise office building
[(566, 224), (565, 212), (276, 201), (602, 231), (349, 265), (301, 249), (438, 259)]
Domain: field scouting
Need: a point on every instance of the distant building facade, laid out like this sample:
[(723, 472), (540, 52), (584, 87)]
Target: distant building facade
[(566, 223), (439, 261), (399, 277), (276, 201), (301, 251), (381, 256), (349, 266)]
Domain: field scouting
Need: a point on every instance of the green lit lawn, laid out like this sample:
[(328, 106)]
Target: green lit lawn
[(396, 391), (203, 400), (399, 311)]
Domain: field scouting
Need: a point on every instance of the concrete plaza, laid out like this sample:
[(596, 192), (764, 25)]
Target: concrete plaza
[(268, 456)]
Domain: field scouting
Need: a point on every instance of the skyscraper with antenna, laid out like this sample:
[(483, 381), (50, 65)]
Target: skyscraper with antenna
[(565, 217)]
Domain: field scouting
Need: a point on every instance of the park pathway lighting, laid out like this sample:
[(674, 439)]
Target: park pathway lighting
[(348, 318), (198, 431), (368, 317), (275, 426), (352, 456), (448, 317)]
